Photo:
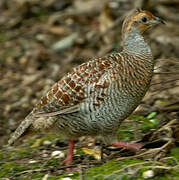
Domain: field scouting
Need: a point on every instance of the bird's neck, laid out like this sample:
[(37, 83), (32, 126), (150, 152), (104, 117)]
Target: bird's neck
[(134, 42)]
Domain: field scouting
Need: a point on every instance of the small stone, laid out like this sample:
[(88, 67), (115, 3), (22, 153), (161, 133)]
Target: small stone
[(47, 143), (32, 161), (23, 60), (40, 37), (65, 43), (45, 177), (58, 154), (148, 174), (70, 174), (66, 178), (44, 155)]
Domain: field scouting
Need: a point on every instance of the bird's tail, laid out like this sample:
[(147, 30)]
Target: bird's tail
[(21, 129)]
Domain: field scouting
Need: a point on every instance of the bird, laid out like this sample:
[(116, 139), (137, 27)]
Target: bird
[(96, 96)]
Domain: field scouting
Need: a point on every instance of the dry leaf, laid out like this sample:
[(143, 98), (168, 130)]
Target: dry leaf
[(95, 154)]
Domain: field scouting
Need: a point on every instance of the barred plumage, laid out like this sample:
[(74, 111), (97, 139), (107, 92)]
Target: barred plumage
[(95, 97)]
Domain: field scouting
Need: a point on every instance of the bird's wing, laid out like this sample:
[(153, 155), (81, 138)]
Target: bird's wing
[(65, 110), (77, 87), (87, 82)]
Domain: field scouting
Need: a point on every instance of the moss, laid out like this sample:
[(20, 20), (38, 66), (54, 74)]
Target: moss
[(170, 175), (73, 175), (105, 169), (175, 153), (174, 174), (52, 162), (125, 133), (109, 168), (49, 137), (1, 155), (9, 169), (146, 123), (125, 169), (18, 153), (130, 169), (37, 176), (53, 178), (79, 152), (23, 178)]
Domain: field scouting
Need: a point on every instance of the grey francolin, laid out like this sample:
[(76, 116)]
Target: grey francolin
[(95, 97)]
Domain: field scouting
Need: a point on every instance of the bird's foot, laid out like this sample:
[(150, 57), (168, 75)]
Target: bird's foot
[(127, 145), (68, 161)]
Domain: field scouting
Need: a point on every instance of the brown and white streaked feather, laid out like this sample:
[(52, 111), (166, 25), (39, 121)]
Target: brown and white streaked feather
[(66, 95)]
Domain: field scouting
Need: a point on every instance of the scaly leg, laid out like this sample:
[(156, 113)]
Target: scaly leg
[(69, 158), (126, 145)]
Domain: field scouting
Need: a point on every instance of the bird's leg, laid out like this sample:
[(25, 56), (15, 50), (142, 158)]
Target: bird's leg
[(127, 145), (69, 158)]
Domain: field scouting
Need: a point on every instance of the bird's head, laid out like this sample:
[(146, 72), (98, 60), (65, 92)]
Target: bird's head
[(138, 21)]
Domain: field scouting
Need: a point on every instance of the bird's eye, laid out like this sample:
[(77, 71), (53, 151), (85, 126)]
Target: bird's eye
[(144, 19)]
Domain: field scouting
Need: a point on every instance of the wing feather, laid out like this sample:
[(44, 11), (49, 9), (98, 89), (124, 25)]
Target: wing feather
[(73, 89), (66, 110)]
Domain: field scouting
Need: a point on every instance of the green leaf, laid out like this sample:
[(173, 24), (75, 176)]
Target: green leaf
[(151, 115)]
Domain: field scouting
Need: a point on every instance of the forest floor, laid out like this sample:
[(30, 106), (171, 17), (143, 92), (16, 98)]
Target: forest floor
[(40, 41)]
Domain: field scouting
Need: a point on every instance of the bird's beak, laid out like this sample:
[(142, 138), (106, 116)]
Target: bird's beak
[(158, 20)]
